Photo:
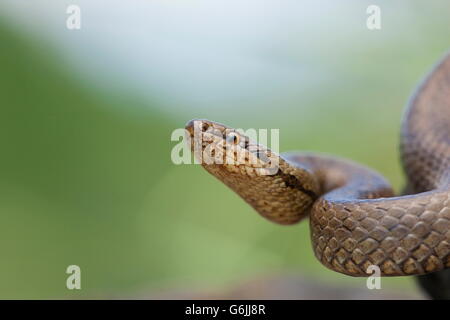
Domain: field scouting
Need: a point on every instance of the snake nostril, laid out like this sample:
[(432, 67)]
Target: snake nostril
[(205, 126)]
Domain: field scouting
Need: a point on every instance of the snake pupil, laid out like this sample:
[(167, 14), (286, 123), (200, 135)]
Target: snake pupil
[(233, 138)]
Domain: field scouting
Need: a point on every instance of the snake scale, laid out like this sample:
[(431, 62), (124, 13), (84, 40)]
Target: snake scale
[(355, 219)]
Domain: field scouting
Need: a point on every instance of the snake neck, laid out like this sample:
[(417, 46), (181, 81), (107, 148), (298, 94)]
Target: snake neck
[(284, 197)]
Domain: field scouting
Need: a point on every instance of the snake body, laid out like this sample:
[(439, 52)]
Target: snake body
[(355, 219)]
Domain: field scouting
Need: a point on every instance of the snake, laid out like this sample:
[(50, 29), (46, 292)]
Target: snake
[(356, 220)]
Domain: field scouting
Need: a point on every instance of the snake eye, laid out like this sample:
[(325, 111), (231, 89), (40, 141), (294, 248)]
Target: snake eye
[(233, 138)]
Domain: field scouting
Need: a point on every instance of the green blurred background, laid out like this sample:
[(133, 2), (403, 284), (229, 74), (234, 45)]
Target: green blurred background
[(86, 117)]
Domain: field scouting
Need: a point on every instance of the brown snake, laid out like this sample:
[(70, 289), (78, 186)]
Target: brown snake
[(355, 220)]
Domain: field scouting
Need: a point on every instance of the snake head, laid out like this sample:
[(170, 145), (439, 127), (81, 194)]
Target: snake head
[(217, 145)]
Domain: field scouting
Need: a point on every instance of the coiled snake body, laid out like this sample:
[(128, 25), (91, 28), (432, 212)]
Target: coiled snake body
[(355, 219)]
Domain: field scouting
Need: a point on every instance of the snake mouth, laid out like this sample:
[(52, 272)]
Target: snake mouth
[(189, 128)]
